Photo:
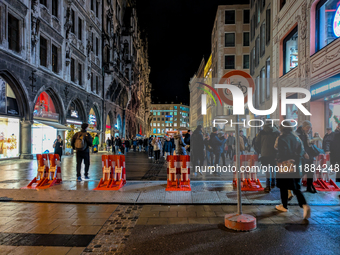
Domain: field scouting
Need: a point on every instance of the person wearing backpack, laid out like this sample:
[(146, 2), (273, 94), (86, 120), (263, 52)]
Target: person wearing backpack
[(81, 142)]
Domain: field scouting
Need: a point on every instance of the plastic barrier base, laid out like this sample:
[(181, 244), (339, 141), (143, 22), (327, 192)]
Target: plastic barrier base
[(321, 185), (110, 184), (249, 185), (181, 186)]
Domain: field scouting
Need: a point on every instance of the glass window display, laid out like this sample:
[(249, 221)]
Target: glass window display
[(290, 51), (44, 108), (43, 137), (327, 22), (9, 138), (92, 120)]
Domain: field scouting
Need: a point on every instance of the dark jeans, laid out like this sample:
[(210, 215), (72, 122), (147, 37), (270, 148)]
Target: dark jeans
[(83, 155), (150, 151), (309, 174), (209, 157), (284, 197), (113, 149), (223, 157), (230, 153), (134, 148), (216, 160), (270, 174), (198, 160), (157, 154)]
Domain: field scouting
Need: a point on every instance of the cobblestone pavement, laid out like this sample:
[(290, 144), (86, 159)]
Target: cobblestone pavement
[(112, 238)]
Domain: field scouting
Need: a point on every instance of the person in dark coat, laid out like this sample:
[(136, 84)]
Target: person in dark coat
[(58, 146), (216, 143), (265, 141), (335, 152), (290, 148), (187, 141), (83, 154), (198, 146), (167, 147), (326, 143), (304, 133), (113, 145), (230, 143), (208, 150)]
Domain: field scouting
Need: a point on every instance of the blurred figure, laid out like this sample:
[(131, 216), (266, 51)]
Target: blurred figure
[(326, 143), (95, 144), (167, 147), (230, 144), (198, 146), (58, 146), (157, 148), (290, 152), (151, 147), (335, 152), (317, 140), (208, 150), (108, 144), (216, 143)]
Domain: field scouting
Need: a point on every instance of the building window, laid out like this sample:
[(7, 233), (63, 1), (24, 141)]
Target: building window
[(43, 2), (327, 22), (251, 29), (73, 18), (97, 46), (229, 62), (55, 8), (73, 70), (268, 78), (229, 17), (97, 84), (268, 19), (80, 74), (263, 84), (257, 51), (290, 51), (245, 38), (54, 58), (245, 61), (43, 51), (263, 4), (263, 38), (246, 16), (282, 3), (252, 62), (92, 88), (92, 5), (258, 12), (257, 91), (13, 33), (229, 40), (80, 30)]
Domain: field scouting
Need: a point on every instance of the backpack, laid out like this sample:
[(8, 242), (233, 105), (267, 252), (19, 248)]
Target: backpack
[(80, 143)]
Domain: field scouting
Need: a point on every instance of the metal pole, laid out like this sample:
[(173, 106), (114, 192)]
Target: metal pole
[(239, 195)]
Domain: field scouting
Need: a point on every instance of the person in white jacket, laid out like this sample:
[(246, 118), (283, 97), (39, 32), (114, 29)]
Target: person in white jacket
[(157, 148)]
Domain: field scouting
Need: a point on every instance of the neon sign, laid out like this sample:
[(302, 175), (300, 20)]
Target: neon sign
[(336, 23)]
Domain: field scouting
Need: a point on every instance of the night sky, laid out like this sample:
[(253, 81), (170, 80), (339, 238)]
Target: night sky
[(179, 34)]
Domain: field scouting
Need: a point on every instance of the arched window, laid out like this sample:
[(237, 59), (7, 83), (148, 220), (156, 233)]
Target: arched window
[(8, 101)]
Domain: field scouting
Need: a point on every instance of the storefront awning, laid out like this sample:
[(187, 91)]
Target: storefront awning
[(53, 124)]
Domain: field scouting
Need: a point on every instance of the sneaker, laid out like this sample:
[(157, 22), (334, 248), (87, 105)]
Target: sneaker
[(306, 211), (79, 179), (87, 178), (281, 208), (267, 189)]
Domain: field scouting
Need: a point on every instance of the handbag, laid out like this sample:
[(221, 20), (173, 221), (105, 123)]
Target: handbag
[(95, 148)]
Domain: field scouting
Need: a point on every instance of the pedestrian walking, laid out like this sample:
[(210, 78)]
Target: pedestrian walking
[(81, 142), (127, 145), (187, 142), (304, 133), (335, 152), (95, 144), (151, 147), (208, 150), (113, 144), (197, 146), (327, 139), (216, 144), (134, 143), (245, 142), (140, 144), (108, 144), (224, 148), (58, 146), (290, 153), (167, 147), (230, 144), (317, 140), (156, 143), (265, 141), (179, 144)]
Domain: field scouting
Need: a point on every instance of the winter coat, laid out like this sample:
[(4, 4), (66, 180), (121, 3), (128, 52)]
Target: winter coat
[(157, 145), (335, 144), (231, 140), (197, 143), (290, 147), (306, 144), (167, 147), (265, 141), (242, 148), (327, 140), (96, 140), (317, 141), (135, 143), (216, 143), (180, 145)]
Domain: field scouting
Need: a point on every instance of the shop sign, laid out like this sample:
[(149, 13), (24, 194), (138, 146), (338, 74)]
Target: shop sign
[(322, 89), (92, 119), (74, 114), (336, 23)]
